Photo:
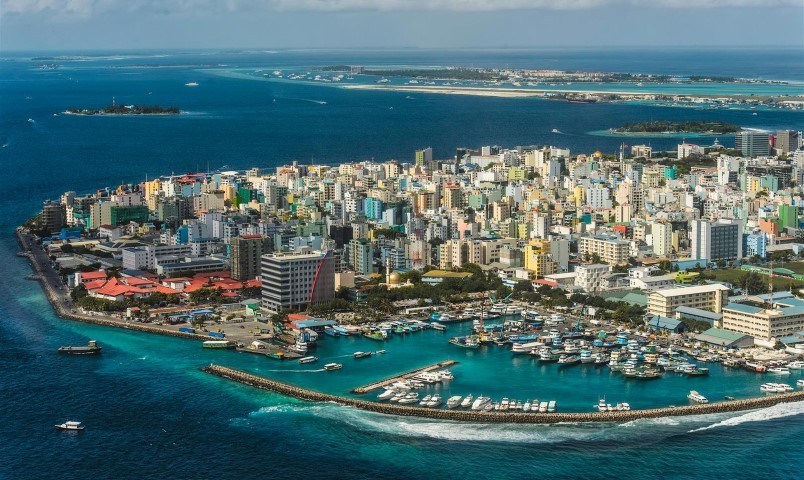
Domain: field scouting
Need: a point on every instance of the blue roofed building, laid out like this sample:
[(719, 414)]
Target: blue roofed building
[(764, 317), (664, 324)]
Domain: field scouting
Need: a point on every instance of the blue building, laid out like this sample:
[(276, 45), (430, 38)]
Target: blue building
[(373, 208), (755, 244)]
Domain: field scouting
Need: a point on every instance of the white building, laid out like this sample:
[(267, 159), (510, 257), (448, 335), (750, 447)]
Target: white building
[(590, 277)]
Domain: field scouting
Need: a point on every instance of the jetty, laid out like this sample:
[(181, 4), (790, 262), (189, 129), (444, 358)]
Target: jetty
[(499, 417), (59, 297), (403, 376)]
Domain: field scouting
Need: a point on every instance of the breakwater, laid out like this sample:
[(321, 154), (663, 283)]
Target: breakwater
[(403, 376), (60, 300), (499, 417)]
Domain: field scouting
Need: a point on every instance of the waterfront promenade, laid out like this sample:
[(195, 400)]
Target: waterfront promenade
[(59, 298), (500, 417)]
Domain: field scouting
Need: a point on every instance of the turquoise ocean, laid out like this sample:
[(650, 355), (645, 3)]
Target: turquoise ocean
[(151, 412)]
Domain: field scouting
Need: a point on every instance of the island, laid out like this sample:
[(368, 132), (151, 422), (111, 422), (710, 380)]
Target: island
[(125, 110), (668, 126)]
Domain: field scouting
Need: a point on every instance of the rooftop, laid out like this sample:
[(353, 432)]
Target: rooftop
[(674, 292), (446, 274)]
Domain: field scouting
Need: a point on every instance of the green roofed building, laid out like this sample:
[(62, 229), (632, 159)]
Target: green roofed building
[(725, 338)]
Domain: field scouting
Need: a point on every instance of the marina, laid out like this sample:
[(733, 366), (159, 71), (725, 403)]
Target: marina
[(404, 376)]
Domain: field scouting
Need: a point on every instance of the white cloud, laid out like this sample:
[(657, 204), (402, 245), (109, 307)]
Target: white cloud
[(87, 8)]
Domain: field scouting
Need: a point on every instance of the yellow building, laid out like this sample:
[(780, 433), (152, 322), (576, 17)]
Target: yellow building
[(516, 173), (538, 259)]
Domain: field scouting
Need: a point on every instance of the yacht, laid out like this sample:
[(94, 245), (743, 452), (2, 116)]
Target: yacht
[(526, 406), (424, 400), (299, 347), (310, 359), (454, 401), (568, 359), (769, 388), (543, 407), (800, 382), (467, 402), (779, 370), (361, 354), (551, 407), (505, 404), (435, 401), (796, 365), (481, 402), (70, 425), (409, 398), (387, 394), (332, 366), (438, 326), (697, 397)]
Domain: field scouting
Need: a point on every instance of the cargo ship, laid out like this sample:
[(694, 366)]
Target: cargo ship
[(92, 348)]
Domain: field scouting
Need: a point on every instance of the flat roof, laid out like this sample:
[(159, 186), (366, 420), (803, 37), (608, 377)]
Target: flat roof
[(674, 292), (699, 313), (446, 274), (718, 336)]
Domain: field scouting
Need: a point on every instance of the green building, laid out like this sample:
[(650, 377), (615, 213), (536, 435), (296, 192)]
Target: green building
[(121, 215), (788, 216)]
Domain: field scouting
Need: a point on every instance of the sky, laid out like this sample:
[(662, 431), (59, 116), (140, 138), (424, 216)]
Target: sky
[(57, 25)]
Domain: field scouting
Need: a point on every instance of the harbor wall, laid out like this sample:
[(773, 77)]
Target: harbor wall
[(499, 417), (51, 284)]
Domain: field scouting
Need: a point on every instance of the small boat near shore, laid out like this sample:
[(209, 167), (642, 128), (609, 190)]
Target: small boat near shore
[(310, 359), (91, 348), (697, 397), (361, 355)]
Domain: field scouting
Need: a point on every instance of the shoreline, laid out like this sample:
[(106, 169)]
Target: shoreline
[(299, 393), (51, 285)]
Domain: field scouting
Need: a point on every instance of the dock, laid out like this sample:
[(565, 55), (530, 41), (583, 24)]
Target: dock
[(403, 376)]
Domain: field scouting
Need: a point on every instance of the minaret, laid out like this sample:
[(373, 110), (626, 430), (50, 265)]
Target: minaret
[(388, 270)]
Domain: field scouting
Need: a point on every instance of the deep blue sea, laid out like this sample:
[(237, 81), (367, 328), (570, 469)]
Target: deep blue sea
[(151, 413)]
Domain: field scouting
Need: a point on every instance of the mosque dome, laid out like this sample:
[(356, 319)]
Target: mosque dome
[(598, 154), (394, 278)]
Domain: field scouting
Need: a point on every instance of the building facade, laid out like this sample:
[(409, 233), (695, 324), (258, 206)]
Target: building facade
[(296, 280)]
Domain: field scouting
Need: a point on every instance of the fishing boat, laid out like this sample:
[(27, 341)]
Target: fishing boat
[(331, 332), (465, 342), (755, 367), (91, 348), (697, 397), (361, 354), (796, 365), (332, 366), (310, 359), (568, 359), (779, 370), (71, 425), (376, 335)]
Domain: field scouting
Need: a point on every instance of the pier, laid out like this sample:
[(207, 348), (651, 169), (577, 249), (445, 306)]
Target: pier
[(403, 376), (500, 417)]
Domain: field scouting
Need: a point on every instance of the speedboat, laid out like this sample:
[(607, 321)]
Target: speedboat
[(438, 326), (481, 402), (409, 398), (71, 425), (526, 406), (504, 404), (800, 382), (543, 407), (454, 401), (362, 354)]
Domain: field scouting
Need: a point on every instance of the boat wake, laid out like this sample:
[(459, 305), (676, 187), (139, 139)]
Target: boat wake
[(771, 413), (295, 371)]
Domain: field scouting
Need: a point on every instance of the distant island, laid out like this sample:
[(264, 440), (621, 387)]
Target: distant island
[(126, 110), (666, 126)]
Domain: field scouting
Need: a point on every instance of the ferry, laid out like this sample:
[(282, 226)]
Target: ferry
[(697, 397), (71, 425), (221, 344), (331, 332), (379, 335), (362, 354), (92, 348), (524, 347), (465, 342), (310, 359), (332, 366)]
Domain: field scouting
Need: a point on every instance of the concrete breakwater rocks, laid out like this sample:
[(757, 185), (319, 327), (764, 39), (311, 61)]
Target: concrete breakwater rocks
[(499, 417)]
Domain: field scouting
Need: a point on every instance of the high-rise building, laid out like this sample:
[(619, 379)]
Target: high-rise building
[(786, 141), (424, 156), (54, 216), (610, 249), (296, 280), (716, 240), (246, 253), (359, 255), (752, 144), (662, 234)]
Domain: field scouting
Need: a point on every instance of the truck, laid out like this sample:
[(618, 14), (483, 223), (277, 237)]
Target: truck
[(186, 330)]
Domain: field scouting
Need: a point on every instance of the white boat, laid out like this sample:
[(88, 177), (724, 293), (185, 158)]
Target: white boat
[(310, 359), (454, 401), (409, 398), (526, 406), (524, 347), (332, 366), (481, 402), (626, 406), (191, 84), (796, 365), (438, 326), (299, 347), (424, 400), (551, 407), (388, 394), (543, 407), (697, 397), (800, 382), (779, 370), (70, 425), (467, 402), (435, 401), (504, 404), (768, 388)]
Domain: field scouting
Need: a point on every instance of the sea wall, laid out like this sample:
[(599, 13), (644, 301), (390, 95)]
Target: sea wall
[(499, 417), (52, 286)]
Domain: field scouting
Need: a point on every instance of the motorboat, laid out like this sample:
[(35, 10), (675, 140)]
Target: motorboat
[(424, 400), (387, 394), (438, 326), (467, 401), (697, 397), (551, 406), (361, 354), (299, 347), (310, 359), (779, 370), (505, 404), (435, 401), (543, 407), (526, 406), (481, 402), (454, 401), (524, 347), (409, 398), (800, 382), (71, 425), (568, 359), (332, 366), (796, 365)]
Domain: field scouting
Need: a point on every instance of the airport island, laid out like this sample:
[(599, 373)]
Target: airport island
[(638, 267)]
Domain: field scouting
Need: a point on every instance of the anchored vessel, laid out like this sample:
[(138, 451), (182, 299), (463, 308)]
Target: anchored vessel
[(91, 348), (70, 425)]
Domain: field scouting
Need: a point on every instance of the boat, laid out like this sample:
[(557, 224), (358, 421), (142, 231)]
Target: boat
[(796, 365), (505, 404), (586, 357), (697, 397), (331, 332), (481, 402), (424, 400), (380, 352), (555, 130), (71, 425), (224, 344), (299, 347), (769, 388), (362, 354), (465, 342), (467, 402), (332, 366), (378, 335), (310, 359), (568, 359), (543, 407), (388, 394), (438, 326), (191, 84), (551, 407), (409, 398), (755, 367), (524, 347), (454, 401), (435, 401), (527, 406), (779, 370), (800, 382), (342, 331), (91, 348)]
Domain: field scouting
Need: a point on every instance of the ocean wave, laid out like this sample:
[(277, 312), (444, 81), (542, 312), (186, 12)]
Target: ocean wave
[(771, 413)]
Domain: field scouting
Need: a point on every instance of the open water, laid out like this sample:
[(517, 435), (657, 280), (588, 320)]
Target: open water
[(151, 413)]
